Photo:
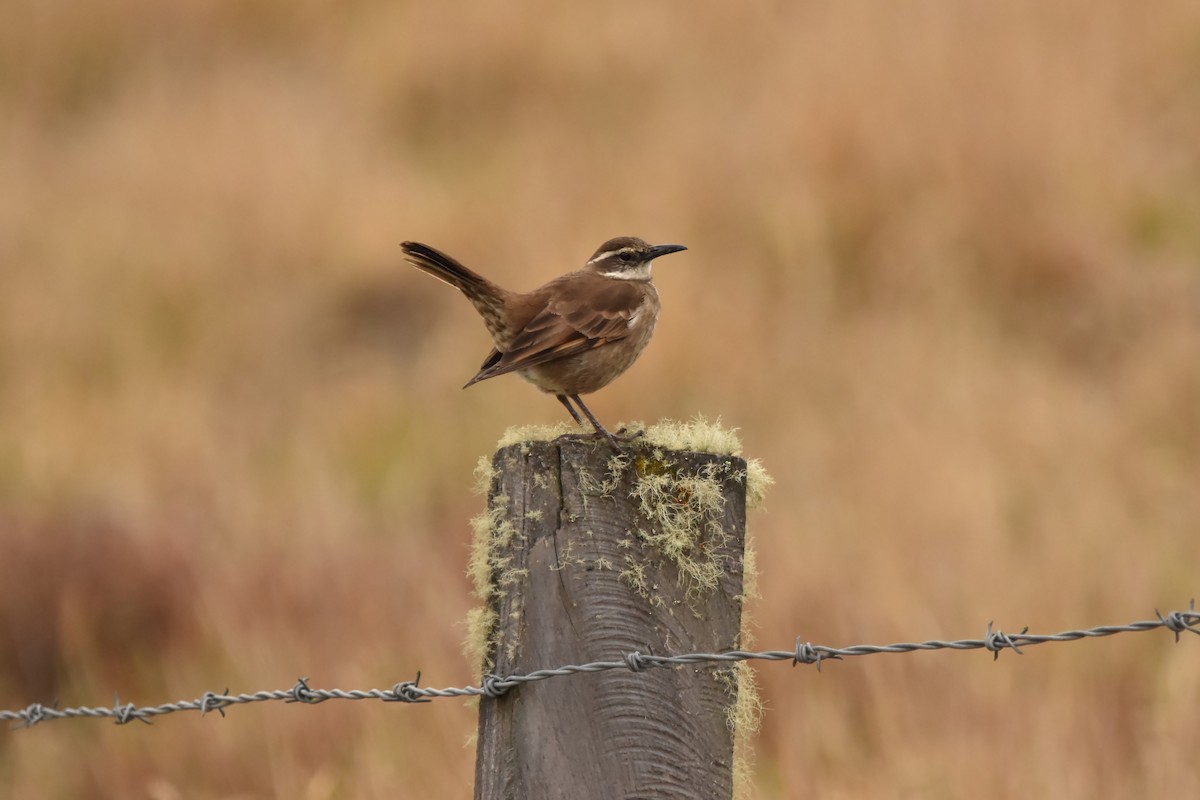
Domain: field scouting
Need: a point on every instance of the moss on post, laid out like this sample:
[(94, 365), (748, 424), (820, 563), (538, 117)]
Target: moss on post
[(585, 555)]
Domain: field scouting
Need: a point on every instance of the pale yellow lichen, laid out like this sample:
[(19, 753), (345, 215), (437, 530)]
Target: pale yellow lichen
[(603, 487), (484, 474), (490, 534), (522, 434), (749, 575), (697, 435), (758, 481), (634, 575), (479, 564), (701, 436), (744, 717), (481, 625), (685, 515)]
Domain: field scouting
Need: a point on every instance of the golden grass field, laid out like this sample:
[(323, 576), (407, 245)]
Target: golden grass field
[(944, 276)]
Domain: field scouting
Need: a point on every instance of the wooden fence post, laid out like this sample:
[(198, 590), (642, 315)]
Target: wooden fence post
[(594, 555)]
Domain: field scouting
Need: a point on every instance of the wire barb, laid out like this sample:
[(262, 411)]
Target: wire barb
[(638, 662), (999, 640), (302, 694), (408, 692), (33, 714), (494, 686), (1180, 621), (211, 701), (808, 653), (127, 713)]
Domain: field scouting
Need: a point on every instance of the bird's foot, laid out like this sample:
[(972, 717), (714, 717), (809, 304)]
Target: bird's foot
[(621, 437), (617, 440)]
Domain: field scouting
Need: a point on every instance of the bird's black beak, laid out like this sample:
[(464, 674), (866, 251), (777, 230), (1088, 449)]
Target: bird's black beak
[(664, 249)]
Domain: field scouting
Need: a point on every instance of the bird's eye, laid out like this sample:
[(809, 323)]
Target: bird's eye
[(626, 256)]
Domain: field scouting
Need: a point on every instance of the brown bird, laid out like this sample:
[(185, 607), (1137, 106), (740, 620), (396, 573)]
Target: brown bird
[(575, 334)]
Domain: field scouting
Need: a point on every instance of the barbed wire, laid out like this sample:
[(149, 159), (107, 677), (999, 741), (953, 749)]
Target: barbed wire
[(495, 686)]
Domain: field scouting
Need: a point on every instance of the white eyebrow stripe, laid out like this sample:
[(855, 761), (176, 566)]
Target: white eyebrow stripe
[(607, 253), (600, 257)]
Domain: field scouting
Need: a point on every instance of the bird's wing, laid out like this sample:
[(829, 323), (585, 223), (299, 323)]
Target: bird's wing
[(566, 326)]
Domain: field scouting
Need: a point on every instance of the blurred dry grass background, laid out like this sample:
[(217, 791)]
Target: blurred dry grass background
[(944, 274)]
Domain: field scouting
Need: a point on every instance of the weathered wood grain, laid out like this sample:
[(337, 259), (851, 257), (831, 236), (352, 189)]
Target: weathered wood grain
[(579, 582)]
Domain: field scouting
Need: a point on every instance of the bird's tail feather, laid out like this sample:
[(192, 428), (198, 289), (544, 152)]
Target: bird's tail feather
[(443, 267), (488, 298)]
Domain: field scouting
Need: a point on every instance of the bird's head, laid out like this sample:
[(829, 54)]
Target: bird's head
[(628, 258)]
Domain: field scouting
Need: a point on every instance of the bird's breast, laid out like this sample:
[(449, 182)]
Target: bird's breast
[(593, 369)]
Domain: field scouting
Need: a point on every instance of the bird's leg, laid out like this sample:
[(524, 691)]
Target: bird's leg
[(562, 398), (600, 429)]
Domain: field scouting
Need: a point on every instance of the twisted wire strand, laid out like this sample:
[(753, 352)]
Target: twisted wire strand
[(494, 686)]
